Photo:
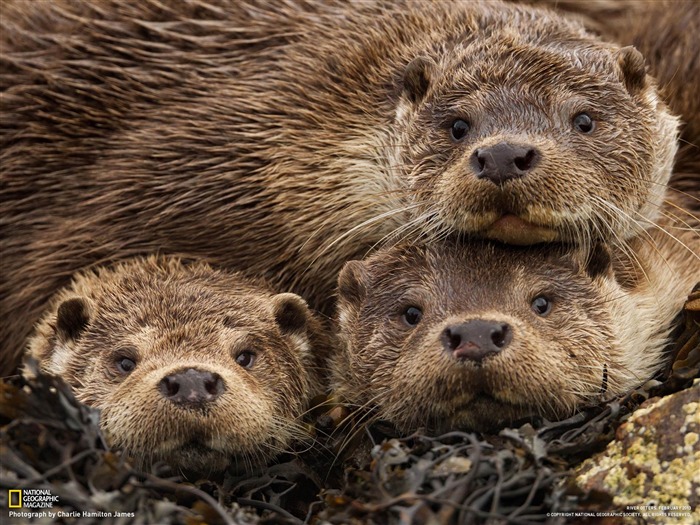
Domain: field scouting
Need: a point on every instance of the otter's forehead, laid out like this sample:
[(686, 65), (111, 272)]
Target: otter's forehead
[(529, 50), (521, 68), (161, 303), (474, 276)]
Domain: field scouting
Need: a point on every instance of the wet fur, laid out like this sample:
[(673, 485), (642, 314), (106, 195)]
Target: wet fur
[(666, 33), (605, 335), (169, 316), (632, 307), (283, 138)]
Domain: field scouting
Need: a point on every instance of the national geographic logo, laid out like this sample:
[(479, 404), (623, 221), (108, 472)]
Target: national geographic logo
[(31, 499), (35, 504), (14, 498)]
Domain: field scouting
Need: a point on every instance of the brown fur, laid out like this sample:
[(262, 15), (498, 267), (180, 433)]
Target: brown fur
[(667, 33), (287, 138), (169, 318), (600, 339)]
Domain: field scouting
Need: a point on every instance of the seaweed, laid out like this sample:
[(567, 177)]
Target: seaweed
[(50, 441)]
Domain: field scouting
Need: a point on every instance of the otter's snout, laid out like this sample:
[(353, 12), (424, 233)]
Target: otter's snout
[(503, 162), (474, 340), (192, 388)]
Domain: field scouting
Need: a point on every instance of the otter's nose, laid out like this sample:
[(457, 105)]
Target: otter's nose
[(193, 388), (476, 339), (503, 162)]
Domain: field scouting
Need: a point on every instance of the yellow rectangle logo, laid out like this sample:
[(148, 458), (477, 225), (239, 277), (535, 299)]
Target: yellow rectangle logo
[(17, 505)]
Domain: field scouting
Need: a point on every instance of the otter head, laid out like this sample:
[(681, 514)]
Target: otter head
[(191, 366), (526, 130), (479, 335)]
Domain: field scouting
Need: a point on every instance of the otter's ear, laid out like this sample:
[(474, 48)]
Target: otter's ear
[(72, 319), (352, 282), (416, 78), (633, 68), (599, 261), (291, 312)]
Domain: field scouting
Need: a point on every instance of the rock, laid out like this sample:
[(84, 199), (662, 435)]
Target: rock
[(652, 468)]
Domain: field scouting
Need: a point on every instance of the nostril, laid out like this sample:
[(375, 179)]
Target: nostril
[(500, 336), (454, 340), (169, 386), (214, 385), (527, 161), (479, 160), (451, 339)]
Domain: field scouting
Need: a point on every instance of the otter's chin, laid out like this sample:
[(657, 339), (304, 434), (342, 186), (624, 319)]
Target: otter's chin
[(488, 414), (197, 457), (511, 229)]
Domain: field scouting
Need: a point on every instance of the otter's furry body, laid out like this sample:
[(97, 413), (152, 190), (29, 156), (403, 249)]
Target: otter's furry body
[(285, 139)]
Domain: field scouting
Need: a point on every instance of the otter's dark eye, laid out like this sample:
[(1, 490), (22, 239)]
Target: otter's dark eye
[(126, 365), (584, 123), (459, 129), (541, 305), (246, 359), (412, 316)]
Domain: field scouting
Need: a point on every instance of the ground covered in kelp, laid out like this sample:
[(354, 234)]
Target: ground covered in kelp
[(48, 441)]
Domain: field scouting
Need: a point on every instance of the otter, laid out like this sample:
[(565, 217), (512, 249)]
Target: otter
[(477, 335), (666, 33), (286, 139), (190, 365)]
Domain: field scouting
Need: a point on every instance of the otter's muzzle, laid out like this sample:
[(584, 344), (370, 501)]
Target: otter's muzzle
[(476, 339), (503, 162), (192, 388)]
